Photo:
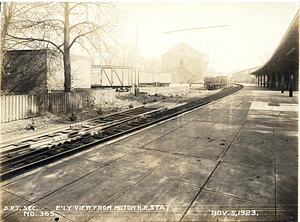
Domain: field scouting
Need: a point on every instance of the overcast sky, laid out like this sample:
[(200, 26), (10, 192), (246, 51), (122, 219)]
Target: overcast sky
[(253, 29)]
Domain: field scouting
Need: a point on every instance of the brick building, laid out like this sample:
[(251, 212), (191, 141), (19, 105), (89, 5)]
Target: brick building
[(185, 63)]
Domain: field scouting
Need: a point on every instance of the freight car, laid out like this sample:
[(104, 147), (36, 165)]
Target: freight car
[(154, 79), (216, 82), (118, 77)]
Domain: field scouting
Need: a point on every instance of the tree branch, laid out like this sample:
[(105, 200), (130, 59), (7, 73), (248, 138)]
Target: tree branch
[(74, 40), (34, 39)]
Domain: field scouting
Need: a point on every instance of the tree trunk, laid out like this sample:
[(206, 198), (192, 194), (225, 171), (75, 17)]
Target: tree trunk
[(66, 56), (67, 70)]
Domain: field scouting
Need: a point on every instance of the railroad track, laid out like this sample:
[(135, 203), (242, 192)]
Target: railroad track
[(20, 157)]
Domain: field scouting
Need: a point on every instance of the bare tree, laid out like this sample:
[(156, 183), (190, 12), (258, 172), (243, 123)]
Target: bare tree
[(10, 11), (59, 26), (264, 57), (154, 64), (119, 55)]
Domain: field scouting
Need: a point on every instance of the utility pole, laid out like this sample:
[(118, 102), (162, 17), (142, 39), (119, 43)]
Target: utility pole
[(136, 65)]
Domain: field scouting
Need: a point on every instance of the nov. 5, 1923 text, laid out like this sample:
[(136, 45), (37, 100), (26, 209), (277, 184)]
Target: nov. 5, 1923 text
[(234, 213)]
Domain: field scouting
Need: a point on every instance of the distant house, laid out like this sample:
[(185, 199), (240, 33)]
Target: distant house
[(186, 64), (41, 71)]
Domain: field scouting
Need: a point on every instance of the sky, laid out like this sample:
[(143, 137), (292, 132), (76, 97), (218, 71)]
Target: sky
[(249, 32)]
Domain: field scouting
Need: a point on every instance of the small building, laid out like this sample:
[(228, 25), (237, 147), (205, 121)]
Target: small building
[(186, 64), (41, 71)]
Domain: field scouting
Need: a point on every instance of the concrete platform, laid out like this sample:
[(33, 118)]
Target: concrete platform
[(233, 160)]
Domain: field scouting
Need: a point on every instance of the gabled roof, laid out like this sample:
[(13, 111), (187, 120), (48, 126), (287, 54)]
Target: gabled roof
[(185, 47), (286, 51)]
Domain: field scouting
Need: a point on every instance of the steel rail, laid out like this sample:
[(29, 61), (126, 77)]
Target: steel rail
[(87, 139), (82, 123)]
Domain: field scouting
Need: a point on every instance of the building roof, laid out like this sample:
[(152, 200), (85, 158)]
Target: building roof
[(181, 46), (287, 52)]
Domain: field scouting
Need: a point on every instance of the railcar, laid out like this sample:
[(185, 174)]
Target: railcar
[(154, 79), (216, 82), (118, 77)]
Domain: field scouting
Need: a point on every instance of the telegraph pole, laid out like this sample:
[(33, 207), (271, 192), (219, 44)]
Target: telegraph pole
[(136, 65)]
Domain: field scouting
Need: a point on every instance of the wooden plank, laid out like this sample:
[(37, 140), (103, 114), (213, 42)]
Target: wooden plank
[(41, 104), (65, 102), (37, 104), (51, 102), (34, 105), (60, 108), (13, 108), (6, 109), (57, 96), (10, 109), (17, 107), (79, 97), (72, 101), (73, 95), (2, 109), (22, 106), (55, 103), (47, 103), (29, 106), (26, 106), (68, 101)]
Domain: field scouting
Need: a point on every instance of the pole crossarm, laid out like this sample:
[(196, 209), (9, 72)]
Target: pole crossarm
[(209, 27)]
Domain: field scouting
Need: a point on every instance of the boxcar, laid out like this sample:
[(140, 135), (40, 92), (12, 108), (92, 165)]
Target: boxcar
[(118, 77), (154, 79)]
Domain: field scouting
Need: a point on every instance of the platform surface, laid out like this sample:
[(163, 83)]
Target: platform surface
[(235, 159)]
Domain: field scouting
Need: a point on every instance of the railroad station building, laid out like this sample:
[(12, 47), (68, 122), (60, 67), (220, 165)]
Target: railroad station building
[(186, 64), (281, 71)]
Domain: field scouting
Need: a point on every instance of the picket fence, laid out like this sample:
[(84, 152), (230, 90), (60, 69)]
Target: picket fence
[(18, 107)]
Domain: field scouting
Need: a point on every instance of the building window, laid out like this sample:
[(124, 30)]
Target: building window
[(181, 62)]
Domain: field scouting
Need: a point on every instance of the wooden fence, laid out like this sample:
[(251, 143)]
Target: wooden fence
[(26, 106)]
